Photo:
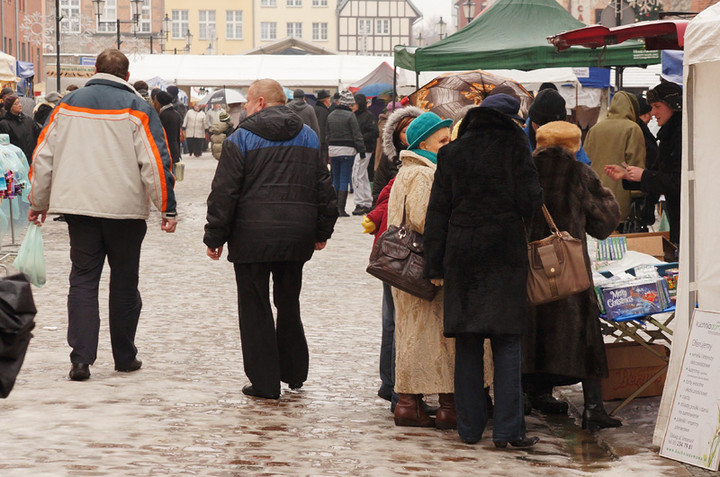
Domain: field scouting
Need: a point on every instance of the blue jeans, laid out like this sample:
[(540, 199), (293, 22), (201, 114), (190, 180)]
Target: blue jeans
[(341, 168), (387, 345), (508, 417)]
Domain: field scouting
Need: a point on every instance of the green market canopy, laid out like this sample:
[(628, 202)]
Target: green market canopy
[(513, 34)]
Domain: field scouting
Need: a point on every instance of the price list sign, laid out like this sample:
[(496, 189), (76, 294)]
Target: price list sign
[(693, 434)]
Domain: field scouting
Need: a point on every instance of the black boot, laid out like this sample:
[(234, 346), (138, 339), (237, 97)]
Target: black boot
[(542, 399), (594, 416), (341, 201)]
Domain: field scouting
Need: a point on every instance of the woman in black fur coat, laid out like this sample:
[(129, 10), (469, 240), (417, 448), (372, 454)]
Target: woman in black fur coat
[(563, 343)]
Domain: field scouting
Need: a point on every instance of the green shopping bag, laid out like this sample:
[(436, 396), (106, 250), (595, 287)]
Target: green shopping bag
[(30, 259)]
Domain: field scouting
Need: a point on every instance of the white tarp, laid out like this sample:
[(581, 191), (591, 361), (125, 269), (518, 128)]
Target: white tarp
[(7, 67), (238, 71), (700, 209)]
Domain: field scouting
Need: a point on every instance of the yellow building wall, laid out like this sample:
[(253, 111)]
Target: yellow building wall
[(306, 14), (223, 45)]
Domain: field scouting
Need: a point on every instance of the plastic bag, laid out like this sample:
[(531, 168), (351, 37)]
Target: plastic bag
[(30, 258)]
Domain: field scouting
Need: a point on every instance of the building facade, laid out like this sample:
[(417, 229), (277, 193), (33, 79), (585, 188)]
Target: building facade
[(217, 27), (374, 27), (17, 18), (313, 21)]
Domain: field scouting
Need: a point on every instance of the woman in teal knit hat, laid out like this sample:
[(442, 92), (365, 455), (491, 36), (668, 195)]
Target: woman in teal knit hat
[(424, 358)]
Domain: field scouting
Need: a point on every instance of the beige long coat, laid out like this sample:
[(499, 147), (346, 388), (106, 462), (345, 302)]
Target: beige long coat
[(425, 359)]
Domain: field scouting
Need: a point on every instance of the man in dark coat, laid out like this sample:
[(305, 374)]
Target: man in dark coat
[(664, 178), (360, 180), (273, 202), (322, 112), (306, 112), (171, 121), (486, 182)]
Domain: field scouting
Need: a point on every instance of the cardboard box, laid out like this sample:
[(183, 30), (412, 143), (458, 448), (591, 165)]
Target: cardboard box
[(656, 244), (630, 365)]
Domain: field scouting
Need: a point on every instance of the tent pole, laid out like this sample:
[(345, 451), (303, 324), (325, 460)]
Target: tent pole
[(619, 77), (394, 96), (417, 80)]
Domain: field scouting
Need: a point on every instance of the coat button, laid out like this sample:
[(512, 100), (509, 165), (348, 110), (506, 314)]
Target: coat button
[(552, 270)]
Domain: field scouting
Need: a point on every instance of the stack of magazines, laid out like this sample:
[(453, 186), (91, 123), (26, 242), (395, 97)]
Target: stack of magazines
[(627, 295)]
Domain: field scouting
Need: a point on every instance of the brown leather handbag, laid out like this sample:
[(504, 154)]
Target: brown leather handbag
[(397, 259), (557, 266)]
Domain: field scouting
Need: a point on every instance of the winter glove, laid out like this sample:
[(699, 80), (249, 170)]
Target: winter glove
[(368, 225)]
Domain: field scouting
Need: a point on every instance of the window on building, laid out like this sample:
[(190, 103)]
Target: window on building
[(268, 30), (294, 29), (320, 31), (382, 26), (180, 24), (268, 3), (365, 26), (107, 19), (70, 13), (294, 3), (145, 24), (319, 3), (206, 25), (234, 24)]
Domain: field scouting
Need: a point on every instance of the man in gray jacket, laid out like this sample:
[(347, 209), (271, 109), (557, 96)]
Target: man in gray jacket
[(300, 107), (102, 154)]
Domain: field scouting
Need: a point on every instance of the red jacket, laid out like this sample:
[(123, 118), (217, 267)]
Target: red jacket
[(379, 214)]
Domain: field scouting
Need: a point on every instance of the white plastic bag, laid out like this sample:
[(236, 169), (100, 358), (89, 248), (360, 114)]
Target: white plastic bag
[(30, 258)]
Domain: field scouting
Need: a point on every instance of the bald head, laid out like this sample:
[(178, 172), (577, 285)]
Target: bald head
[(263, 94), (113, 62)]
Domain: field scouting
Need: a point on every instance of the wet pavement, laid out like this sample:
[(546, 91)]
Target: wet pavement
[(183, 413)]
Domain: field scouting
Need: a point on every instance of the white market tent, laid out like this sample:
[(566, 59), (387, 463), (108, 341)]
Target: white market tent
[(239, 71), (7, 68), (699, 278)]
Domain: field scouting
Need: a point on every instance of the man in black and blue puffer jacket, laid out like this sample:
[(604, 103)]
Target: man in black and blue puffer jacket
[(273, 202)]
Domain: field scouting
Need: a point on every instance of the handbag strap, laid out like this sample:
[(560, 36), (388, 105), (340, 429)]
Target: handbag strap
[(550, 221)]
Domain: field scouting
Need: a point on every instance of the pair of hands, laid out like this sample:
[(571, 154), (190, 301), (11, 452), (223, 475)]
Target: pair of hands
[(38, 218), (629, 173), (215, 253)]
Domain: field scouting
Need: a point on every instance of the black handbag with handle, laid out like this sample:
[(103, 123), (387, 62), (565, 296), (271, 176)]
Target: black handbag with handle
[(397, 259)]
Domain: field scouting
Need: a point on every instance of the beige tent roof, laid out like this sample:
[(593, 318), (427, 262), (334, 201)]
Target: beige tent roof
[(7, 67)]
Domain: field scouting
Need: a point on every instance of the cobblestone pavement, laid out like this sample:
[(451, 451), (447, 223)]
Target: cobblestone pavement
[(183, 413)]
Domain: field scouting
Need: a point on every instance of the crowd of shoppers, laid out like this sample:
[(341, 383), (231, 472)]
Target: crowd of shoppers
[(473, 192)]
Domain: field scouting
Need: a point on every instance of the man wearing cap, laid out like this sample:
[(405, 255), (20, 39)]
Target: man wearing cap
[(171, 121), (273, 203), (300, 107), (664, 178), (360, 180), (322, 112), (617, 140), (100, 157)]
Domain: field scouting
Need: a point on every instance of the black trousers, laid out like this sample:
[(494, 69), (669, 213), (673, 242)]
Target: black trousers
[(195, 145), (91, 240), (271, 353)]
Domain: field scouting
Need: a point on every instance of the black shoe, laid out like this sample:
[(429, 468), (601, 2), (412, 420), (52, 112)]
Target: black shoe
[(595, 419), (548, 404), (249, 390), (295, 386), (384, 395), (128, 368), (59, 218), (79, 371), (342, 213), (524, 442)]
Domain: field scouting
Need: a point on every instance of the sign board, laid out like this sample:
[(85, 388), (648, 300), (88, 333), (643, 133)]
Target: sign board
[(70, 71), (86, 61), (693, 434)]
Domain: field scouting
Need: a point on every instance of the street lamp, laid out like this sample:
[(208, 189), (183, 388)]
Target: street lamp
[(135, 8), (162, 35), (469, 9), (420, 39), (441, 28), (188, 41)]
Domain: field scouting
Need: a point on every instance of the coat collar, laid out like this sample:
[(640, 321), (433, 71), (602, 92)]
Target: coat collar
[(112, 80), (410, 158)]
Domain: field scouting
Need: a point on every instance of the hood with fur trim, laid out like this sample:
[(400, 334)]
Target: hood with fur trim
[(390, 125)]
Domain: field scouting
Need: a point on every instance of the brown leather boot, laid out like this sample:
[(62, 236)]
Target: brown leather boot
[(446, 417), (408, 412)]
